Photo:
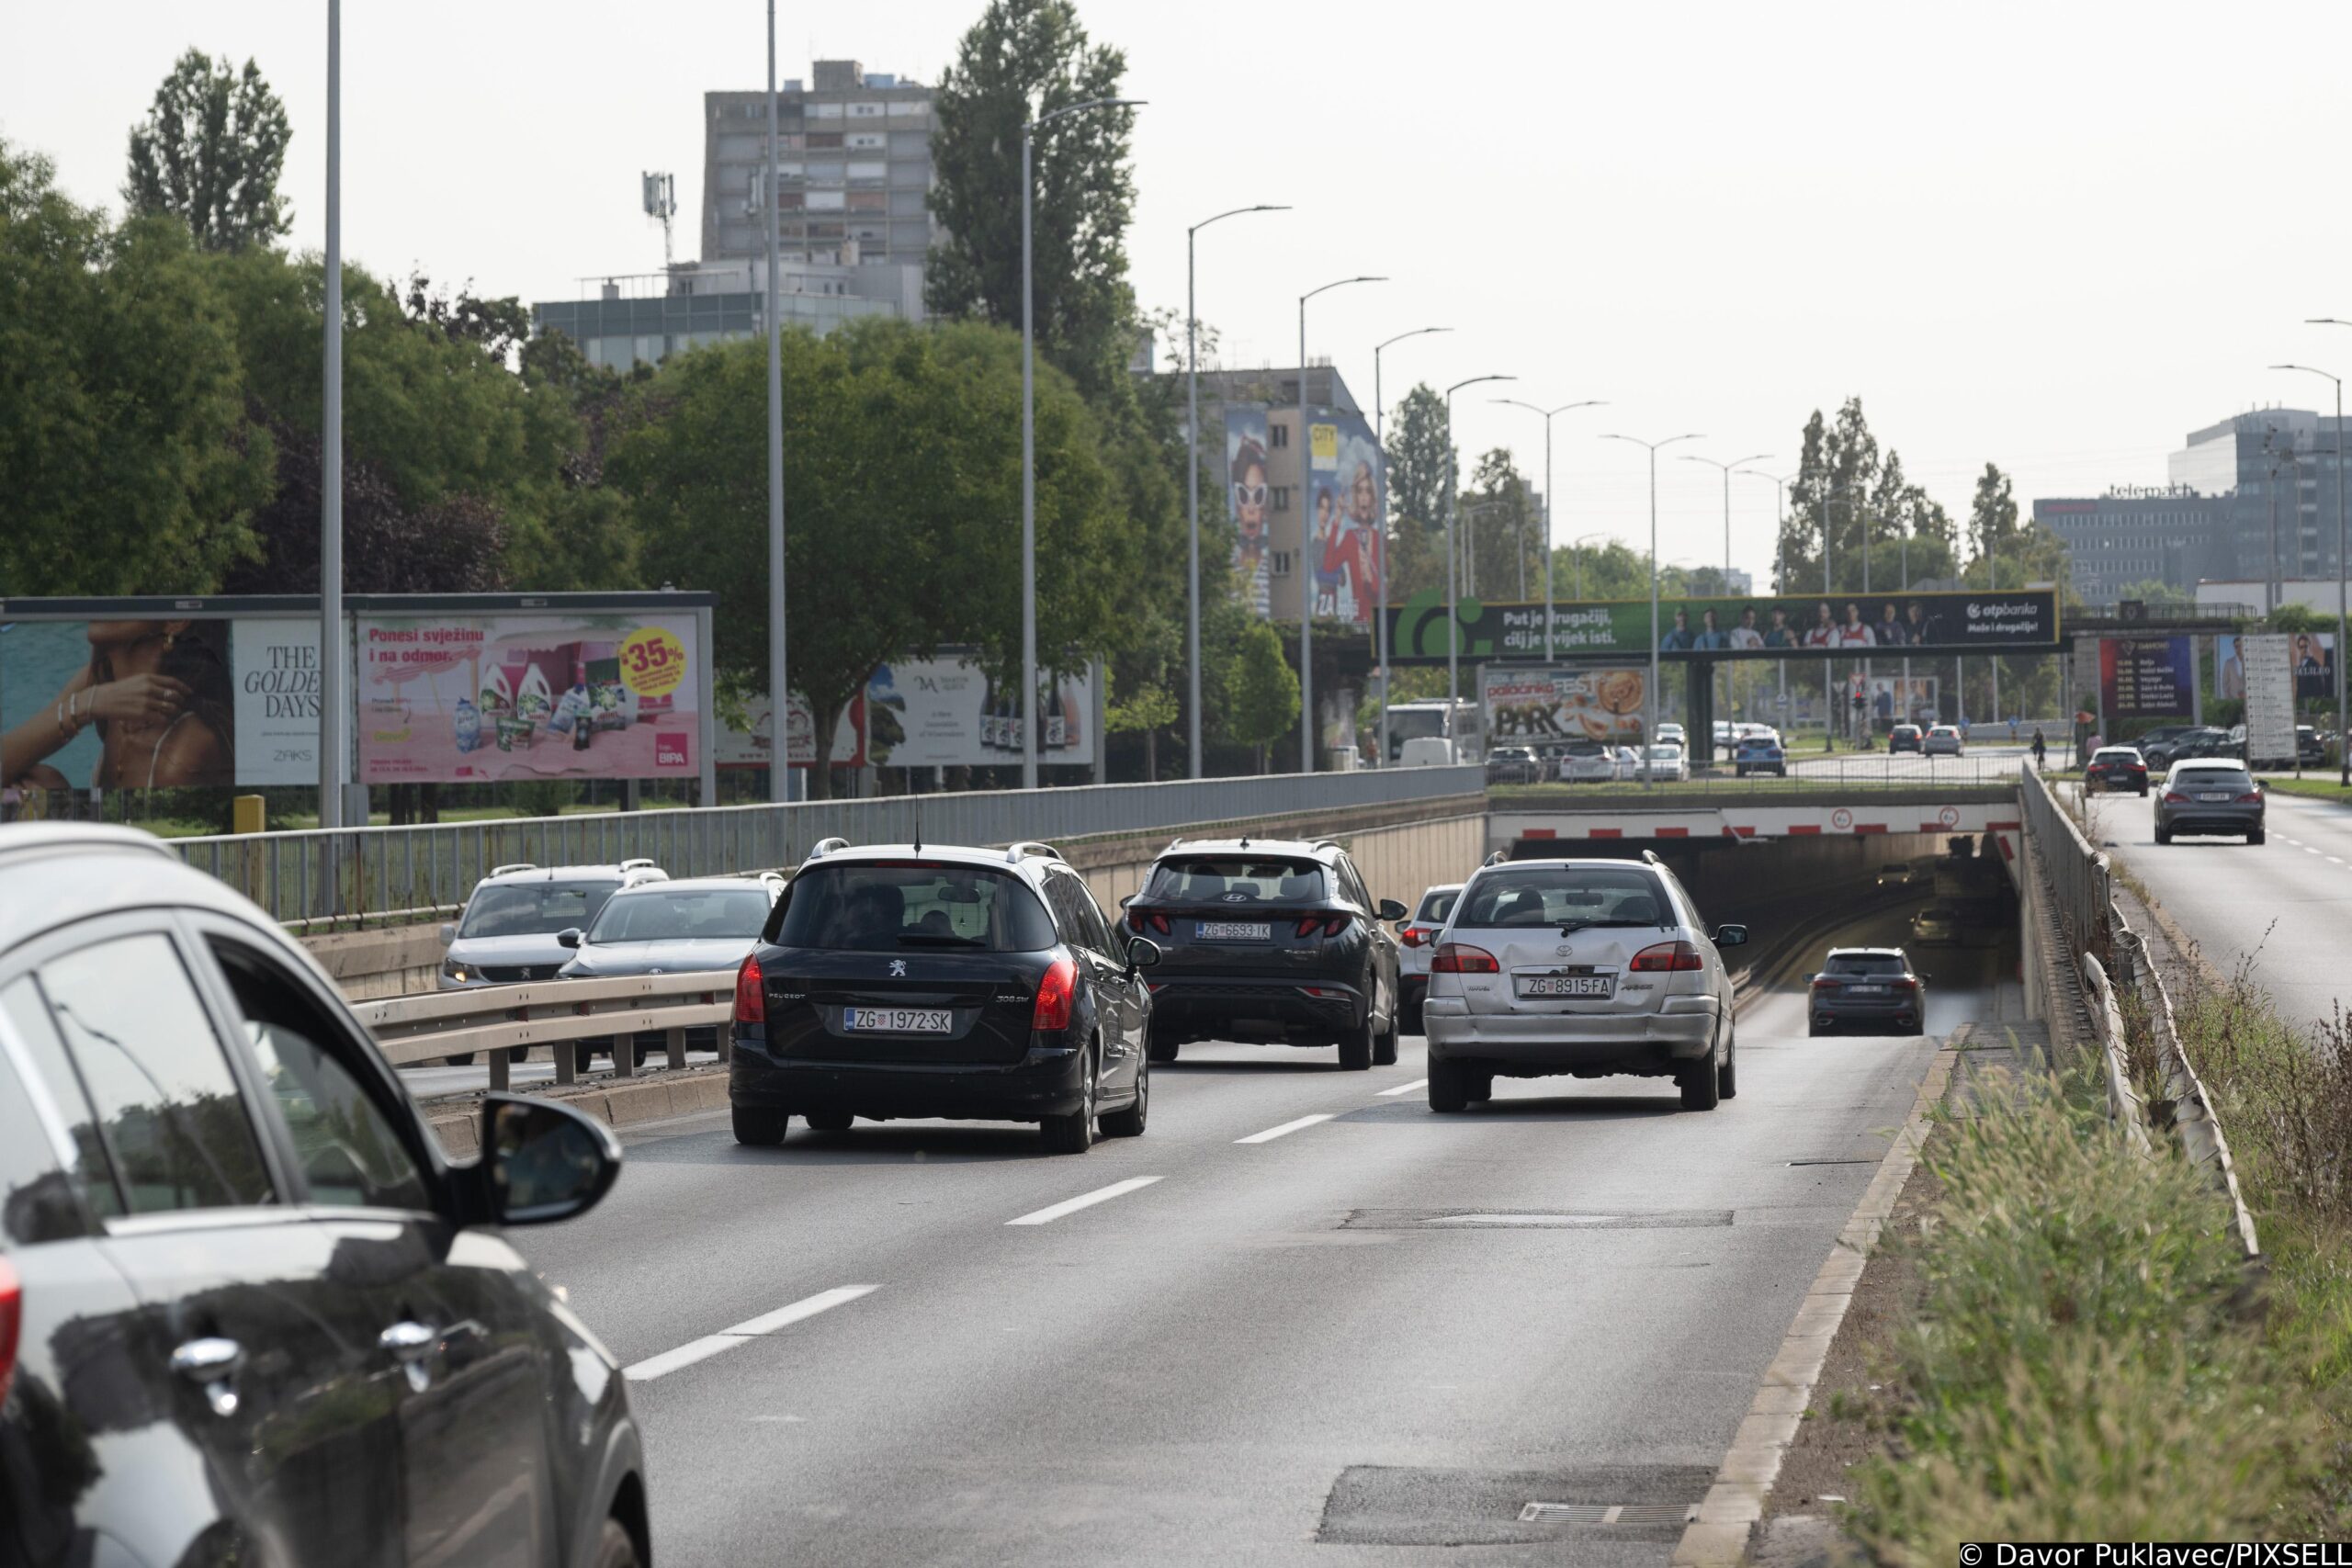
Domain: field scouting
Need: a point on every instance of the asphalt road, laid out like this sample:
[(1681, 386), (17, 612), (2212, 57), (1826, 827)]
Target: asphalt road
[(1282, 1321), (2278, 907)]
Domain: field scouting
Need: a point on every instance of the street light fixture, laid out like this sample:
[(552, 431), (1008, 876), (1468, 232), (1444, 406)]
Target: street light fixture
[(1306, 555), (1453, 598), (1780, 554), (1193, 481), (1649, 729), (1726, 470), (1547, 413), (2342, 753), (1576, 549), (1029, 715), (1380, 439)]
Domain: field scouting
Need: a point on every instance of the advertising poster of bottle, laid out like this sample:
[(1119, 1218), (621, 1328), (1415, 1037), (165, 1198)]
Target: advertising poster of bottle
[(752, 747), (946, 712)]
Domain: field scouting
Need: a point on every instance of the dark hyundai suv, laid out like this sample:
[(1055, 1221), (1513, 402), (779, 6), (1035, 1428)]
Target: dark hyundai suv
[(920, 980), (1273, 941), (248, 1314)]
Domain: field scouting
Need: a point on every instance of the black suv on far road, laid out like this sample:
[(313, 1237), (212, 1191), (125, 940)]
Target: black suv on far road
[(921, 980), (248, 1314), (1273, 941)]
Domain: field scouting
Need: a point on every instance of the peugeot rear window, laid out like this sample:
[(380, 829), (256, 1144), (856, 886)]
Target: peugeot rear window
[(534, 909), (688, 915), (1553, 895), (892, 906), (1235, 879), (1878, 966)]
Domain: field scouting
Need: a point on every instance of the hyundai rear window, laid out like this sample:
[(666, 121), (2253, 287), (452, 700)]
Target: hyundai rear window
[(893, 906), (1554, 896), (1236, 879)]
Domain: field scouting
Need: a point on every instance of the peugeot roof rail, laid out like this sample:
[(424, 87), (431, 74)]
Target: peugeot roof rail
[(1032, 847), (642, 863), (509, 870), (826, 847)]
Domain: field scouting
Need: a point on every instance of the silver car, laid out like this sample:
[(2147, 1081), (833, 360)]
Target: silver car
[(2210, 795), (507, 933), (1587, 761), (1588, 967), (1944, 741), (1416, 940)]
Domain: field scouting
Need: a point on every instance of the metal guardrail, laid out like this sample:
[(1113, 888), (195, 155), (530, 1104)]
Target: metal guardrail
[(318, 877), (2125, 1106), (556, 1015), (2079, 875)]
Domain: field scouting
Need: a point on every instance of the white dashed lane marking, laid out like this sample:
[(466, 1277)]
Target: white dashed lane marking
[(1053, 1212), (1404, 1087), (1271, 1134), (743, 1332)]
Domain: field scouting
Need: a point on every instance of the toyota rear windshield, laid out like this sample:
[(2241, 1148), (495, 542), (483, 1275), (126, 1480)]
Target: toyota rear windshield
[(1564, 896), (902, 906), (1236, 879)]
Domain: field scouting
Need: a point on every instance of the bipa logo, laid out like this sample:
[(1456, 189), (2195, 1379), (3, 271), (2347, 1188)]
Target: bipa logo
[(670, 751)]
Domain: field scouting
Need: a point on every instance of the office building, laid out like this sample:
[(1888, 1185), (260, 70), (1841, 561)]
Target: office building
[(2288, 455), (2169, 533), (643, 317)]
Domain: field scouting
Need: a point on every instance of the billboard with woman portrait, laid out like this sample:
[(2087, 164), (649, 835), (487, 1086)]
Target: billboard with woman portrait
[(1348, 499), (1247, 499)]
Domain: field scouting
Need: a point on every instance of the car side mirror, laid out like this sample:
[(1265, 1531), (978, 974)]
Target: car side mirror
[(568, 937), (1392, 910), (1142, 953), (1128, 900), (1731, 936), (448, 932), (543, 1161)]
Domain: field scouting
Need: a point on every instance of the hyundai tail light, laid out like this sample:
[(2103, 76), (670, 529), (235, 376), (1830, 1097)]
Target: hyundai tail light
[(1330, 925), (1461, 958), (1057, 994), (1138, 920), (751, 998)]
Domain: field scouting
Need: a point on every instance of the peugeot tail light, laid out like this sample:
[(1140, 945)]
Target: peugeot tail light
[(750, 998), (1057, 995)]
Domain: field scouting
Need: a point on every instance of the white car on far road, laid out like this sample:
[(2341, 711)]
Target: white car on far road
[(1943, 740), (1666, 761)]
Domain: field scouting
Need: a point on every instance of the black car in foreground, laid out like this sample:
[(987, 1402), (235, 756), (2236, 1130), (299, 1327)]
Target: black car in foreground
[(1273, 941), (248, 1312), (923, 980), (1873, 988)]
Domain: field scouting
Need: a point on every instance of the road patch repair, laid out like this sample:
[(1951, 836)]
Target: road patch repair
[(1374, 1504), (1526, 1219)]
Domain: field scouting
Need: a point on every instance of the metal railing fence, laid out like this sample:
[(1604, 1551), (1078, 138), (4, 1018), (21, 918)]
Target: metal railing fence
[(321, 878)]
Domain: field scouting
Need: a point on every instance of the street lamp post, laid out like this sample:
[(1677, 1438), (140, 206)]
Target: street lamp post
[(332, 750), (1576, 548), (1725, 468), (1649, 729), (779, 670), (1193, 483), (1780, 554), (1453, 610), (2343, 742), (1380, 439), (1548, 413), (1029, 715), (1306, 540)]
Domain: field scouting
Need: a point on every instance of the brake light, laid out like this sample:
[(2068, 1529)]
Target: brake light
[(1056, 995), (1411, 936), (1330, 925), (1824, 983), (2256, 798), (1906, 984), (2174, 797), (1666, 956), (751, 998), (12, 1313), (1461, 958), (1138, 920)]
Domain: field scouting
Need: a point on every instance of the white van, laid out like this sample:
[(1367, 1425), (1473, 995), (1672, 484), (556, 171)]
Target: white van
[(1426, 752)]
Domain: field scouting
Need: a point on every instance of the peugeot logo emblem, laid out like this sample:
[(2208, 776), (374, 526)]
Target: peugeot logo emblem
[(897, 966)]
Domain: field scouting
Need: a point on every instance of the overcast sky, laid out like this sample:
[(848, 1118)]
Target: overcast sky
[(2054, 236)]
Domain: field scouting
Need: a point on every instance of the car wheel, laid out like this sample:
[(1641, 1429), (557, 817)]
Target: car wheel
[(760, 1127), (1410, 1022), (518, 1053), (2163, 835), (1697, 1081), (1478, 1085), (1813, 1031), (828, 1121), (615, 1548), (1160, 1049), (2257, 836), (584, 1058), (1384, 1044), (1074, 1134), (464, 1059), (1727, 1075), (1449, 1086), (1129, 1122), (1356, 1046)]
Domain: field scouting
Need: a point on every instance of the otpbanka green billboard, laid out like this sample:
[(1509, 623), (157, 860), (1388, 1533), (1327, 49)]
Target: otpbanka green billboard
[(1835, 626)]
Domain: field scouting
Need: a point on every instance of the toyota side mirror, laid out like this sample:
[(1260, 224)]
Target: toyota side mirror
[(1392, 910), (567, 937), (543, 1161), (448, 932), (1731, 936), (1142, 953)]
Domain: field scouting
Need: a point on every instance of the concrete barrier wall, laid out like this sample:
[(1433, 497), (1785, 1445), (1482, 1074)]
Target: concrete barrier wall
[(1398, 859)]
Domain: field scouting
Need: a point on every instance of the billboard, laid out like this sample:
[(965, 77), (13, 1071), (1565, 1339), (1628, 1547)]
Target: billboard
[(1530, 705), (473, 698), (1346, 499), (154, 703), (754, 746), (2147, 677), (1838, 625), (1247, 498), (2311, 659), (2261, 671), (1896, 699), (947, 713)]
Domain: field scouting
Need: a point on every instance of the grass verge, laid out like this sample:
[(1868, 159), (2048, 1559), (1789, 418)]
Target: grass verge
[(2313, 788), (2080, 1365)]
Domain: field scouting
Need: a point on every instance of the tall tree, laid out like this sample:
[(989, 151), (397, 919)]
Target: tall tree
[(127, 465), (1262, 705), (1991, 519), (1022, 59), (209, 152), (1421, 461), (1497, 522)]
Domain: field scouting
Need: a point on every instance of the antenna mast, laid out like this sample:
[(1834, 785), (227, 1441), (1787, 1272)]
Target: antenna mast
[(661, 202)]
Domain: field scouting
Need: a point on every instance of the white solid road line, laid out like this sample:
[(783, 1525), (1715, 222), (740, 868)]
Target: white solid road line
[(751, 1328), (1047, 1215), (1271, 1134), (1404, 1087)]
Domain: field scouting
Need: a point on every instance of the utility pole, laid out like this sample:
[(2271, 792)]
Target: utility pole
[(1649, 731), (1306, 542), (332, 748), (1380, 439), (779, 663), (1548, 413), (2343, 564)]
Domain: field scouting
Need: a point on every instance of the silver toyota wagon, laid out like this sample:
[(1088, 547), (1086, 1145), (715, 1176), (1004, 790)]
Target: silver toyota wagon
[(1588, 967)]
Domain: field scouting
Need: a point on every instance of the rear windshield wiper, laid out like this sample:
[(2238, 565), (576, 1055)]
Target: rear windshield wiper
[(927, 938)]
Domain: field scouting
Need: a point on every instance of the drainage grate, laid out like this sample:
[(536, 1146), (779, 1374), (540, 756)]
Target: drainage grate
[(1530, 1219), (1630, 1513), (1798, 1162)]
